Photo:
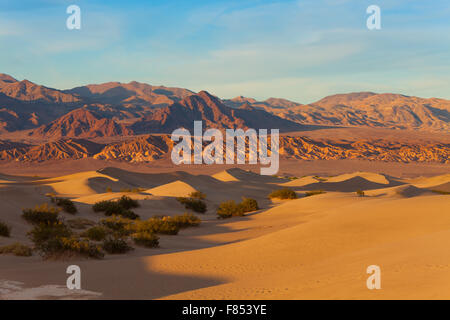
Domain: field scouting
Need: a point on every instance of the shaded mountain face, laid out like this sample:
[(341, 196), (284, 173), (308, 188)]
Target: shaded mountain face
[(81, 123), (25, 105), (213, 113), (133, 94)]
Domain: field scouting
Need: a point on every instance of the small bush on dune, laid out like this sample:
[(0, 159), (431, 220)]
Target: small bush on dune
[(17, 249), (186, 220), (284, 193), (248, 205), (120, 207), (145, 239), (5, 230), (46, 231), (56, 239), (96, 233), (160, 226), (128, 203), (228, 209), (193, 204), (313, 192), (122, 212), (197, 195), (119, 226), (70, 246), (102, 206), (66, 204), (41, 214), (116, 245)]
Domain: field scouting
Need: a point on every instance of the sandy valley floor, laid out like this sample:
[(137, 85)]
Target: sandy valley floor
[(312, 247)]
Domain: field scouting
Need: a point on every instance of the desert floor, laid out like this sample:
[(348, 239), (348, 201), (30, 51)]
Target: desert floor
[(312, 247)]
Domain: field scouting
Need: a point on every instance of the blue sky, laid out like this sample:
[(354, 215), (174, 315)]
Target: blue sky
[(300, 50)]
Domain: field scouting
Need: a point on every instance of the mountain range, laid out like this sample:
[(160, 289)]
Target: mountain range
[(38, 123)]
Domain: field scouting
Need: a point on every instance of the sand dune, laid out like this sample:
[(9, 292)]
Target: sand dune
[(80, 183), (313, 247), (173, 189), (224, 176)]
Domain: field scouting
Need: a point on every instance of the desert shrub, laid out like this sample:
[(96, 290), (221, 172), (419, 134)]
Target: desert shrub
[(44, 232), (116, 245), (104, 205), (80, 223), (228, 209), (41, 214), (56, 239), (119, 226), (69, 246), (124, 213), (360, 193), (186, 220), (442, 192), (96, 233), (313, 192), (66, 204), (108, 189), (120, 207), (128, 203), (248, 205), (145, 239), (159, 226), (284, 193), (197, 195), (193, 204), (17, 249), (5, 230)]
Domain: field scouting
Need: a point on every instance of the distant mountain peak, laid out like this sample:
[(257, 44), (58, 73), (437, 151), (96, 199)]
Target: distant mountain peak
[(6, 78)]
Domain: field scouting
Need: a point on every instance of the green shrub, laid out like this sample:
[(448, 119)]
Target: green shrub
[(248, 205), (44, 232), (70, 246), (119, 226), (184, 221), (197, 195), (5, 230), (145, 239), (313, 192), (41, 214), (16, 249), (120, 207), (96, 233), (124, 213), (116, 245), (284, 193), (228, 209), (66, 204), (159, 226), (360, 193), (193, 204), (128, 203)]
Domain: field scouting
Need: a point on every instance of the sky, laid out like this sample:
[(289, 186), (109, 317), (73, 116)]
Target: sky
[(299, 50)]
